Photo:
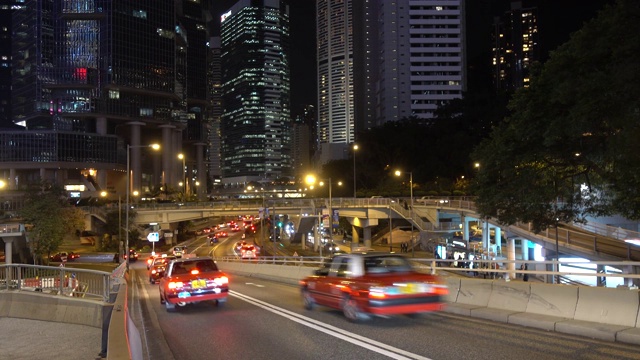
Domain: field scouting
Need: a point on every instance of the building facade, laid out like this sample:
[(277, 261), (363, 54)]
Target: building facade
[(256, 120), (382, 61), (515, 47), (116, 76)]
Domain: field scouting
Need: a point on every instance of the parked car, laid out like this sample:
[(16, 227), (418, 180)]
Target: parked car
[(373, 284), (192, 280)]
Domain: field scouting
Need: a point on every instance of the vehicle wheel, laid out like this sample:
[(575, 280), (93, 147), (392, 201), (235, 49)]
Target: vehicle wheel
[(351, 311), (151, 281), (169, 306), (220, 302), (161, 298), (307, 300)]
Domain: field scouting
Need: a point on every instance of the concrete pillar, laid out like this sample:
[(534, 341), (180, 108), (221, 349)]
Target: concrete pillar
[(465, 227), (8, 251), (102, 179), (525, 249), (355, 238), (168, 155), (134, 156), (366, 235), (43, 174), (511, 256), (486, 244), (602, 280)]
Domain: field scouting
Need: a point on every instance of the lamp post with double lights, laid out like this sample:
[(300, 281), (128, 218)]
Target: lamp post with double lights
[(311, 180), (355, 148), (184, 175), (128, 192), (398, 173)]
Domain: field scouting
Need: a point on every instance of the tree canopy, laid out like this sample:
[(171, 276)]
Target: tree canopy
[(569, 147), (49, 217)]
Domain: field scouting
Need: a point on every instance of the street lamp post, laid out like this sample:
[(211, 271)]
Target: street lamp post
[(184, 175), (355, 148), (129, 147), (310, 180)]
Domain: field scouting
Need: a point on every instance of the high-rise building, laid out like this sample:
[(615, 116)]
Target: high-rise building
[(515, 46), (256, 120), (335, 43), (7, 7), (95, 81), (382, 61), (214, 159)]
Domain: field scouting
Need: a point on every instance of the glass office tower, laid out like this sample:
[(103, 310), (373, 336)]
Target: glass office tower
[(119, 72), (256, 91)]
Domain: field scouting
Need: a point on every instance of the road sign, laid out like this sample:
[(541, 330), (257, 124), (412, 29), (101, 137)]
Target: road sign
[(153, 237)]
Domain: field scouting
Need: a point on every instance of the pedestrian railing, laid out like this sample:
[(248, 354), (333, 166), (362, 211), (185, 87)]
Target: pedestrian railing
[(59, 281)]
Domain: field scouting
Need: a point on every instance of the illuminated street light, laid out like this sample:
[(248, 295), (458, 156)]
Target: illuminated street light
[(355, 148), (184, 175), (135, 193)]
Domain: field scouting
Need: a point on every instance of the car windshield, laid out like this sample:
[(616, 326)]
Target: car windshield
[(386, 264)]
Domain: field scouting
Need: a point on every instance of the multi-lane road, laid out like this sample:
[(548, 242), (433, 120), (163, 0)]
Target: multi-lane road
[(266, 320)]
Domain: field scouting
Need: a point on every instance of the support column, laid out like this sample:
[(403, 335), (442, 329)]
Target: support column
[(43, 174), (525, 249), (135, 158), (366, 235), (355, 238), (167, 155), (8, 251), (511, 256)]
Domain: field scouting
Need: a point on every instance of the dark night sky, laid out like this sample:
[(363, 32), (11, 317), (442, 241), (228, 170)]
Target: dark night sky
[(557, 20)]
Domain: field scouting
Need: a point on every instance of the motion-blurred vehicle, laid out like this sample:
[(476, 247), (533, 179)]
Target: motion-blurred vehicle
[(192, 280), (133, 256), (248, 252), (222, 234), (373, 284), (152, 257), (213, 239), (158, 267), (179, 251), (64, 256)]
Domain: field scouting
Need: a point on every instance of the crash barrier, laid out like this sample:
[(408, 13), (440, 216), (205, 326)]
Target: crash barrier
[(610, 314), (56, 280)]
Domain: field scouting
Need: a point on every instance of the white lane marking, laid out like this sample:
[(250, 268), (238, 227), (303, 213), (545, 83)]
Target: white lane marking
[(256, 285), (336, 332)]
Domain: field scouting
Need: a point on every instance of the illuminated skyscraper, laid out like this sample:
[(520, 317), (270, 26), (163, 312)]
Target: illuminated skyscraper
[(382, 61), (256, 120), (90, 77), (515, 39)]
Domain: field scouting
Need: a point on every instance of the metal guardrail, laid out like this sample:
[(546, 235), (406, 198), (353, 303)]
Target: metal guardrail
[(501, 268), (60, 281)]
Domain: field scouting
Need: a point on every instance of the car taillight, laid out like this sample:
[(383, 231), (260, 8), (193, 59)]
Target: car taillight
[(153, 271), (195, 272), (221, 280), (440, 289), (175, 284)]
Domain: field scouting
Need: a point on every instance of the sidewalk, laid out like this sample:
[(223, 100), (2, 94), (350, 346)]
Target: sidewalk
[(23, 339)]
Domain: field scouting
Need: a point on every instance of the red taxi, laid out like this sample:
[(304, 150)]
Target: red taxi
[(158, 267), (362, 285), (193, 280)]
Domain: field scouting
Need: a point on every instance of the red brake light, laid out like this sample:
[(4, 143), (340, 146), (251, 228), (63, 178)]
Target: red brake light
[(175, 284), (153, 271), (195, 272)]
